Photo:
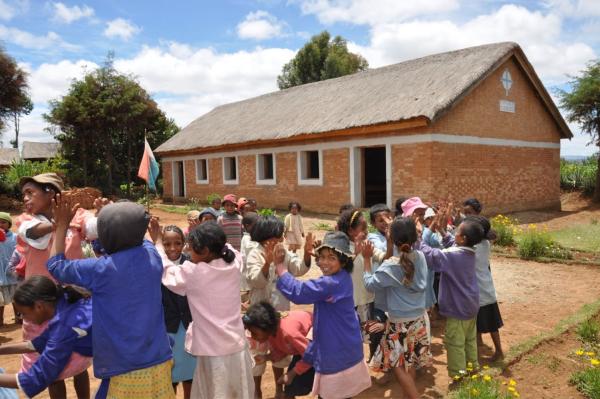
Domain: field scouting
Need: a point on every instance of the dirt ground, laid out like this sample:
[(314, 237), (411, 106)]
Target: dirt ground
[(533, 298)]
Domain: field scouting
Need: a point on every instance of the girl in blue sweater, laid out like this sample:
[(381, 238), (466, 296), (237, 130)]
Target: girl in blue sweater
[(402, 280), (336, 351)]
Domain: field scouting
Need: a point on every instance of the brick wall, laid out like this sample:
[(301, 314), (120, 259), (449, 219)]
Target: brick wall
[(326, 198)]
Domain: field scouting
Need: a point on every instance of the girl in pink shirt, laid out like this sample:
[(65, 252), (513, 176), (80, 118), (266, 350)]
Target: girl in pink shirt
[(211, 282)]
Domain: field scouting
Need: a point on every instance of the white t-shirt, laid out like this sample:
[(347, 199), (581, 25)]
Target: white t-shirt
[(39, 243), (487, 292)]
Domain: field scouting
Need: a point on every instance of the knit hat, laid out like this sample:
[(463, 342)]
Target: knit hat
[(6, 217), (411, 205), (45, 178), (193, 215), (337, 241), (429, 213), (229, 198)]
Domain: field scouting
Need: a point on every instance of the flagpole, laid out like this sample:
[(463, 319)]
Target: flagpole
[(147, 195)]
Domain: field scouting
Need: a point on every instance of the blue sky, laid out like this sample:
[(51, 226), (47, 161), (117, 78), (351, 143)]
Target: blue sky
[(195, 55)]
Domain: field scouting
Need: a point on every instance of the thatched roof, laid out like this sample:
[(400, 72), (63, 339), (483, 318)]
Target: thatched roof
[(8, 155), (422, 88), (35, 150)]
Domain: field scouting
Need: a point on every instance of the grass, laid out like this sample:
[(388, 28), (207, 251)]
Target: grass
[(181, 210), (582, 237), (321, 226), (588, 331), (587, 382)]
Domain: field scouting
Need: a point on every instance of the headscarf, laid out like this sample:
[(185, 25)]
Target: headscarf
[(121, 226)]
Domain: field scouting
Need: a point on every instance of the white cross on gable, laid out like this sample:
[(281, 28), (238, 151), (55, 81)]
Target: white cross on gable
[(506, 81)]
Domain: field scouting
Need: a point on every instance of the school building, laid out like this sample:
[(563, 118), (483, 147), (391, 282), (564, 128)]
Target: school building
[(476, 122)]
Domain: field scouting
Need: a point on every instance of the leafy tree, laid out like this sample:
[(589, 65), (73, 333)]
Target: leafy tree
[(101, 123), (582, 104), (14, 99), (320, 59)]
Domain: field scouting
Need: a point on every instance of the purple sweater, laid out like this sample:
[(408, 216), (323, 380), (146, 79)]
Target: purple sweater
[(337, 340), (459, 293)]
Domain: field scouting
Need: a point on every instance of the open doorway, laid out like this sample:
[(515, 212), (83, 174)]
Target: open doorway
[(374, 176), (178, 179)]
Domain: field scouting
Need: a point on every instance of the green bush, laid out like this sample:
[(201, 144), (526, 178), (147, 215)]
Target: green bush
[(505, 229), (535, 243), (266, 212), (9, 180), (194, 204), (587, 382), (589, 331), (579, 175)]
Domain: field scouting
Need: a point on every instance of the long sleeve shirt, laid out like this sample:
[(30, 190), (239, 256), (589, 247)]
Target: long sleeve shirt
[(459, 292), (129, 324), (290, 338), (403, 301), (176, 308), (361, 295), (7, 248), (262, 288), (213, 293), (68, 332), (337, 339)]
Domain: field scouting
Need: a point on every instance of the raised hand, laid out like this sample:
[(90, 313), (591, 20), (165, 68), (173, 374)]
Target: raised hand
[(309, 242), (154, 229), (269, 251), (63, 210), (279, 253), (367, 249)]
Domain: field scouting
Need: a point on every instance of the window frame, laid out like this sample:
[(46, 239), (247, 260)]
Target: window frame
[(198, 180), (237, 170), (301, 165), (260, 167)]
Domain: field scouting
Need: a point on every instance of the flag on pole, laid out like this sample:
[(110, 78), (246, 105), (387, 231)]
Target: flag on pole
[(149, 167)]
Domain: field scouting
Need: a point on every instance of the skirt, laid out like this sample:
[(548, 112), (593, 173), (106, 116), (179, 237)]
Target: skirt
[(149, 383), (228, 376), (184, 364), (303, 383), (344, 384), (6, 294), (489, 319), (405, 344)]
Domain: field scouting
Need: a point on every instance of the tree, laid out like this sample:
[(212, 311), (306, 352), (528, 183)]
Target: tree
[(582, 104), (16, 117), (101, 123), (320, 59), (14, 99)]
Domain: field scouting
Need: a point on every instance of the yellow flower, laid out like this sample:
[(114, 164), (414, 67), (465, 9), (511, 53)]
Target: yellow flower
[(474, 392), (456, 378), (487, 378), (516, 394), (475, 376), (579, 352), (486, 367), (511, 389), (590, 354), (469, 364), (512, 383), (595, 362)]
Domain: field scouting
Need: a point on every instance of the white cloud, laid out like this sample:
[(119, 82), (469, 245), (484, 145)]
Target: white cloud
[(66, 14), (121, 28), (373, 12), (575, 8), (260, 25), (539, 35), (7, 12), (34, 42)]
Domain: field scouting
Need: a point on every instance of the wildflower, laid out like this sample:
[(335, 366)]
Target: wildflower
[(590, 354), (595, 362), (475, 376), (512, 383), (579, 352), (516, 394), (487, 378), (486, 367), (511, 389), (474, 392), (456, 378)]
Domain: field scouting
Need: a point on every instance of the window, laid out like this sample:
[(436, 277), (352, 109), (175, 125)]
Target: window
[(202, 171), (265, 169), (310, 165), (230, 173)]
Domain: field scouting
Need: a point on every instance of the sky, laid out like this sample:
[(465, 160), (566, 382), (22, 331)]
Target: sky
[(195, 55)]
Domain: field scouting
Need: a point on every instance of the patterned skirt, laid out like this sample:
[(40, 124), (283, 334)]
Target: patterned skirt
[(405, 344), (149, 383)]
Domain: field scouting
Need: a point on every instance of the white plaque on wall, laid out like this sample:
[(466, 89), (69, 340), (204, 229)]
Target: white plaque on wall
[(507, 106)]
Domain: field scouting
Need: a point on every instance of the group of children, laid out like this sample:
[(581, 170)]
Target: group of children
[(209, 306)]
